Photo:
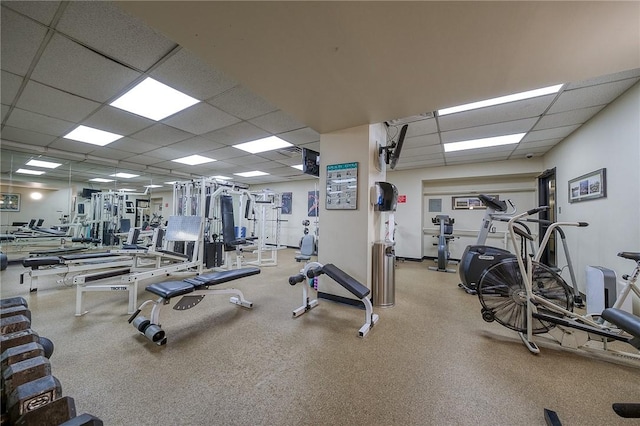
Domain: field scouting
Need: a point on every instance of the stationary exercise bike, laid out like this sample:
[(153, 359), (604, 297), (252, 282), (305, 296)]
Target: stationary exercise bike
[(446, 234), (531, 298)]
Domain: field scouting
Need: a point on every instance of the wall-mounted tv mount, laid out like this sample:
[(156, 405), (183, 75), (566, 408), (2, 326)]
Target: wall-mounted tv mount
[(392, 151)]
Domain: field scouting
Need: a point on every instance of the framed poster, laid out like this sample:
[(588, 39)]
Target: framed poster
[(589, 186), (287, 202), (468, 202), (9, 202), (342, 186)]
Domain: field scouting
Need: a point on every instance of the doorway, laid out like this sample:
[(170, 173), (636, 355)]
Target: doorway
[(547, 197)]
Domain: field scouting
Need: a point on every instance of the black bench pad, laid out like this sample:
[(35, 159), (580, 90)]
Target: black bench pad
[(222, 276), (346, 280), (169, 289), (624, 320), (34, 262)]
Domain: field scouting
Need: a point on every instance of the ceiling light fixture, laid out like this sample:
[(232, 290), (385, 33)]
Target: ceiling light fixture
[(501, 100), (251, 174), (484, 143), (92, 136), (30, 172), (44, 164), (153, 186), (124, 175), (154, 100), (261, 145), (103, 180), (222, 177), (298, 166), (194, 160)]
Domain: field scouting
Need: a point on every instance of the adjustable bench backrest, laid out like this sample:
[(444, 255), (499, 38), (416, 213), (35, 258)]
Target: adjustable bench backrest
[(345, 280)]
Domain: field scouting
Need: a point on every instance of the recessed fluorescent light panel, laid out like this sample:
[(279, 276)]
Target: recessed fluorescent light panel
[(484, 143), (103, 180), (126, 189), (194, 160), (93, 136), (222, 177), (30, 172), (251, 174), (124, 175), (262, 145), (154, 100), (153, 186), (298, 166), (502, 100), (43, 164)]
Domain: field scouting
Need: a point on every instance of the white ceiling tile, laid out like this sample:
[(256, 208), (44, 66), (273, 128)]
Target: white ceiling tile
[(556, 132), (133, 146), (5, 110), (185, 72), (422, 140), (547, 143), (108, 29), (173, 152), (110, 153), (590, 96), (482, 152), (410, 153), (490, 130), (46, 100), (39, 123), (412, 163), (21, 39), (281, 155), (92, 75), (463, 159), (422, 127), (567, 118), (42, 11), (236, 133), (242, 103), (634, 73), (495, 114), (301, 136), (146, 160), (225, 153), (161, 135), (201, 118), (26, 136), (117, 121), (198, 143), (72, 146), (314, 146), (277, 122), (9, 86)]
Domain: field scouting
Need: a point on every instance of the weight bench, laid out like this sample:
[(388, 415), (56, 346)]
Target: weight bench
[(192, 290), (630, 324), (314, 269)]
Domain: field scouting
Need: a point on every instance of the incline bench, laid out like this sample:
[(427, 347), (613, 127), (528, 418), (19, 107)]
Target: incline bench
[(314, 269), (192, 291)]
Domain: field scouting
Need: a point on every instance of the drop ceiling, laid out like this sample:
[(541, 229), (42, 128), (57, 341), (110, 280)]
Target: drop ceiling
[(64, 62)]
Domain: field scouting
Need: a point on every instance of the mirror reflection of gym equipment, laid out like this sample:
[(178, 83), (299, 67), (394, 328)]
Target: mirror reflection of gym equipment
[(445, 224)]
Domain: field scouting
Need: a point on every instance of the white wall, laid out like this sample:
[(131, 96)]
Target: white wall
[(609, 140), (409, 215), (50, 207)]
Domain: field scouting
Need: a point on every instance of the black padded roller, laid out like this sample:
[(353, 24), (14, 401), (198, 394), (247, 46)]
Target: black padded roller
[(312, 273), (154, 333), (296, 279), (141, 323)]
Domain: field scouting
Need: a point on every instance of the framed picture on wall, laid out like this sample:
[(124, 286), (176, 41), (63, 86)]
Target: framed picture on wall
[(287, 202), (468, 202), (588, 187), (9, 202)]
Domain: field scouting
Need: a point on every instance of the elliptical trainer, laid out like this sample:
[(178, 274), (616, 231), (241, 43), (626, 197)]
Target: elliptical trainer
[(446, 234)]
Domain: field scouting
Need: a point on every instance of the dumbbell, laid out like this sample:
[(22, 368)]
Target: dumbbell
[(33, 395), (13, 301)]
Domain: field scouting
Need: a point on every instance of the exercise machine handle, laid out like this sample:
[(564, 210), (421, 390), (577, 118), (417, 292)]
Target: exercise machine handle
[(582, 224), (295, 279), (537, 210)]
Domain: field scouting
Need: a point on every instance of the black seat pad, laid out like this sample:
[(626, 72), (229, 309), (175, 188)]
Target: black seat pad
[(31, 262), (630, 255), (169, 289), (345, 280), (223, 276), (623, 319)]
